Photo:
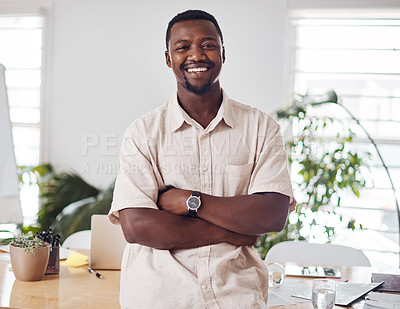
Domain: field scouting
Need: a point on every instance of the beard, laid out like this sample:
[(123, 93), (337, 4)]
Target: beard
[(198, 90)]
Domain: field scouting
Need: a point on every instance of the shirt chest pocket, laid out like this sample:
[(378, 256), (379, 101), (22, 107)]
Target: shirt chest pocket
[(237, 179)]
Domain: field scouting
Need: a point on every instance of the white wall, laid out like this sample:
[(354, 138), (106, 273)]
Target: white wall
[(107, 68)]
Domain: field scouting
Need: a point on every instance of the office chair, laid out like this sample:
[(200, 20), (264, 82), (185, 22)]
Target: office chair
[(78, 240), (303, 252)]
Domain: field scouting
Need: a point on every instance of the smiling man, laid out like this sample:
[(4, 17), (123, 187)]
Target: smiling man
[(201, 177)]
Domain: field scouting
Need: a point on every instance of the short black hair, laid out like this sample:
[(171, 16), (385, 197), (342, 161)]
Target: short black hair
[(192, 15)]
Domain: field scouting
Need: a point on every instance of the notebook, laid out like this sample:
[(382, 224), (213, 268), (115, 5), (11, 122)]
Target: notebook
[(107, 244), (391, 282)]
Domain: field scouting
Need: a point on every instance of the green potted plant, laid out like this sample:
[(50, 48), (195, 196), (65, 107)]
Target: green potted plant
[(324, 167), (67, 201), (29, 256), (57, 190)]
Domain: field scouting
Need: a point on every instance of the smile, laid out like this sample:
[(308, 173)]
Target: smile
[(192, 70)]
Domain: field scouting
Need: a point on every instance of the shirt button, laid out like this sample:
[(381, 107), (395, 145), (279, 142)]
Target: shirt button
[(204, 168), (204, 287)]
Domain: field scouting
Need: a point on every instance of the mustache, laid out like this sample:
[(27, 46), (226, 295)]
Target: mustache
[(208, 64)]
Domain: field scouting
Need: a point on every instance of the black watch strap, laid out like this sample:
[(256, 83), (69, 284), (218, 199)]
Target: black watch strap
[(196, 193), (192, 213)]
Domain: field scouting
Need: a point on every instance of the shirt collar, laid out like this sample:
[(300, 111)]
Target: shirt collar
[(179, 116), (226, 110)]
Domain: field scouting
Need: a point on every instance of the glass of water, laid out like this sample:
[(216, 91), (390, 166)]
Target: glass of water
[(323, 293), (276, 275)]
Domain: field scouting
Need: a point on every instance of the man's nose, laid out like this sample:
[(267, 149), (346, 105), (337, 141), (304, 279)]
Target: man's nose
[(196, 54)]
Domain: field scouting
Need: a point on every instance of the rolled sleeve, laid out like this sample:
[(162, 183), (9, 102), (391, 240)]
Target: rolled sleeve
[(271, 172), (136, 184)]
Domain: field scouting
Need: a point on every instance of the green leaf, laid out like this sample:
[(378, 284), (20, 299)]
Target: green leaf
[(5, 241), (59, 191), (355, 190), (76, 216)]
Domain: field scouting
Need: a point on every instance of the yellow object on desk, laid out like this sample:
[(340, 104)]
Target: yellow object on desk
[(76, 259)]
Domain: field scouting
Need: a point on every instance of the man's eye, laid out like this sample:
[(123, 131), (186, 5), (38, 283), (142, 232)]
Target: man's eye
[(208, 45), (180, 48)]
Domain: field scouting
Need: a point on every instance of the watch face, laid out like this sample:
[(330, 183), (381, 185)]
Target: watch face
[(193, 202)]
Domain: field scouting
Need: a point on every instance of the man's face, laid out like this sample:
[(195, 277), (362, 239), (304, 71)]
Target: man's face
[(195, 55)]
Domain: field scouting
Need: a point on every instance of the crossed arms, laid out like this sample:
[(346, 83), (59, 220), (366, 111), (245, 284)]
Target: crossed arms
[(237, 220)]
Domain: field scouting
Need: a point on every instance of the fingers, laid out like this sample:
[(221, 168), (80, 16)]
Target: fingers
[(165, 189)]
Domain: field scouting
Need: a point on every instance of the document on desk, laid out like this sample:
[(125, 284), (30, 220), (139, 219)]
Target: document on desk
[(376, 300), (346, 292), (282, 296), (64, 253)]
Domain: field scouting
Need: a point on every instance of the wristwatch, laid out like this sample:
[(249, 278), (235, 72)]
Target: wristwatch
[(193, 203)]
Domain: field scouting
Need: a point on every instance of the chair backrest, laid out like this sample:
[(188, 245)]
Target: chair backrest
[(316, 254), (78, 240)]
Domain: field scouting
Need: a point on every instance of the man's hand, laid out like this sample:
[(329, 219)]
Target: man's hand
[(174, 201)]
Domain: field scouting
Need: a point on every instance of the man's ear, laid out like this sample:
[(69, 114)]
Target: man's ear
[(223, 54), (167, 59)]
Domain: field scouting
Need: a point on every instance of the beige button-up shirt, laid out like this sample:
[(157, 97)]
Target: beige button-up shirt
[(240, 152)]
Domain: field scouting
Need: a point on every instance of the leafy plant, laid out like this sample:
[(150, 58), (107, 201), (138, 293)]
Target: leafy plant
[(7, 240), (325, 168), (67, 201), (77, 216), (27, 241), (34, 174), (57, 190)]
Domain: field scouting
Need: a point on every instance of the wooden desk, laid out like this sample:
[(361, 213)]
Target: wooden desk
[(71, 288), (77, 288)]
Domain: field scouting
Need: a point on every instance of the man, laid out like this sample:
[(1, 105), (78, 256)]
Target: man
[(200, 178)]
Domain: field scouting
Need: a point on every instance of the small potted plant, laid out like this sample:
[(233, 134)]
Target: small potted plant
[(29, 257)]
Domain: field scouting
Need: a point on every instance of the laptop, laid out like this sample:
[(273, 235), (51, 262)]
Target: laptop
[(107, 244)]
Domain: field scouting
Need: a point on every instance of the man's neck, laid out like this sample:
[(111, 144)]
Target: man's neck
[(201, 107)]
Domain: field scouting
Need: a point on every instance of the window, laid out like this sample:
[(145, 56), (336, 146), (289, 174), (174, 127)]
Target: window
[(22, 54), (358, 56)]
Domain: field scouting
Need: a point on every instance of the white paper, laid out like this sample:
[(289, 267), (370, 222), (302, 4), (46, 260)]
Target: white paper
[(282, 295), (64, 253), (382, 300)]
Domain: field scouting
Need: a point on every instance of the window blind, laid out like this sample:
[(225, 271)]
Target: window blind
[(21, 52), (359, 58)]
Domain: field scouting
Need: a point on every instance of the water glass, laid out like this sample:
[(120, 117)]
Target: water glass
[(276, 275), (323, 293)]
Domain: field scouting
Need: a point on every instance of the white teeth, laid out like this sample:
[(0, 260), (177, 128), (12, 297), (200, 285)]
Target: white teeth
[(197, 70)]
